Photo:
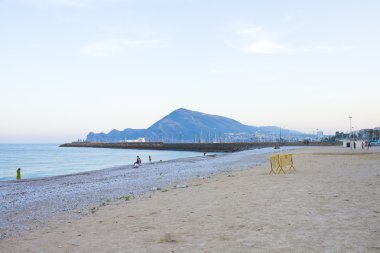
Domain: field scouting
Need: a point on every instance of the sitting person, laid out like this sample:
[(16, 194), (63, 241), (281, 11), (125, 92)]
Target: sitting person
[(138, 162)]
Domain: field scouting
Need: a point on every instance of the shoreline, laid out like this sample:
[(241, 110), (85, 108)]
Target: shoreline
[(41, 198), (46, 160), (330, 204)]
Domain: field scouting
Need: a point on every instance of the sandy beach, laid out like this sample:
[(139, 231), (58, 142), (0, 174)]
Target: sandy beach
[(330, 204)]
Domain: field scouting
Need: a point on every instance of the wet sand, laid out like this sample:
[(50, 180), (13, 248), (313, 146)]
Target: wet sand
[(330, 204)]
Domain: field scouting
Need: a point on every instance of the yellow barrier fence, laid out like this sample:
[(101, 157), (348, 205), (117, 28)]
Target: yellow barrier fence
[(280, 162), (286, 162), (275, 166)]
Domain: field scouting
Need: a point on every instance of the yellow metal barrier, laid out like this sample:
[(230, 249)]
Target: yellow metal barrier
[(280, 162), (286, 162), (275, 165)]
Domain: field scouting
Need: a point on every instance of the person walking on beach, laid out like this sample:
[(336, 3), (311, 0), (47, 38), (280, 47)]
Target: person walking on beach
[(18, 176)]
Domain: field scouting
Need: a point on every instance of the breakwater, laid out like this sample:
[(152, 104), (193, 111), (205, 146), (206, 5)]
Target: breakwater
[(197, 147)]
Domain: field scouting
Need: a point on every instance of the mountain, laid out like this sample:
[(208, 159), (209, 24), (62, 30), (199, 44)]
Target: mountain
[(189, 126), (116, 135)]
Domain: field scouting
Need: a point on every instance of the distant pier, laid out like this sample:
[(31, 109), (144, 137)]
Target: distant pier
[(197, 147)]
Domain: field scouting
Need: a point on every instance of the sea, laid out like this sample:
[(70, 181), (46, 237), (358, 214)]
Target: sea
[(46, 160)]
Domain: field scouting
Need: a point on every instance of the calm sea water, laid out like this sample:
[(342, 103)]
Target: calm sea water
[(44, 160)]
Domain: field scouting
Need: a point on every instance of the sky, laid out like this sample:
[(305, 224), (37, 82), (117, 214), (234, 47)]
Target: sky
[(68, 67)]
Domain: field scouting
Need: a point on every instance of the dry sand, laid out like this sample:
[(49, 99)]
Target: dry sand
[(331, 204)]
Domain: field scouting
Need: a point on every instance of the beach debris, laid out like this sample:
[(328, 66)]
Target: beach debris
[(224, 238), (167, 238), (155, 189), (93, 210), (164, 190), (181, 186)]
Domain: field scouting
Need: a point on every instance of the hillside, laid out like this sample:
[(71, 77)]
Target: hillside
[(183, 125)]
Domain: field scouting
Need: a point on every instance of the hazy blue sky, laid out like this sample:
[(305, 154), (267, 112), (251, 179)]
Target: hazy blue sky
[(68, 67)]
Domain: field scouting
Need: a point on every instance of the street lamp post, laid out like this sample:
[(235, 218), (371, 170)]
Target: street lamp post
[(350, 127)]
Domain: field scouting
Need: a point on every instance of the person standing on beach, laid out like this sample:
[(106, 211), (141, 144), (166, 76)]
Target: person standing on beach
[(150, 159), (18, 176)]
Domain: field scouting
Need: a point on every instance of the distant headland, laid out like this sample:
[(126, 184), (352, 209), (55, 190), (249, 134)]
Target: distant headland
[(183, 125), (186, 130)]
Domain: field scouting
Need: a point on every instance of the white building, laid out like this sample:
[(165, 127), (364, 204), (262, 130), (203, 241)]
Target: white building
[(352, 143), (141, 139)]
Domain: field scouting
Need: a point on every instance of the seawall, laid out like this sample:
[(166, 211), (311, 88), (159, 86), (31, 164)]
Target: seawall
[(198, 147)]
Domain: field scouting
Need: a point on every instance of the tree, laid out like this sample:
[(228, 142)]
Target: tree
[(376, 134), (370, 133)]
